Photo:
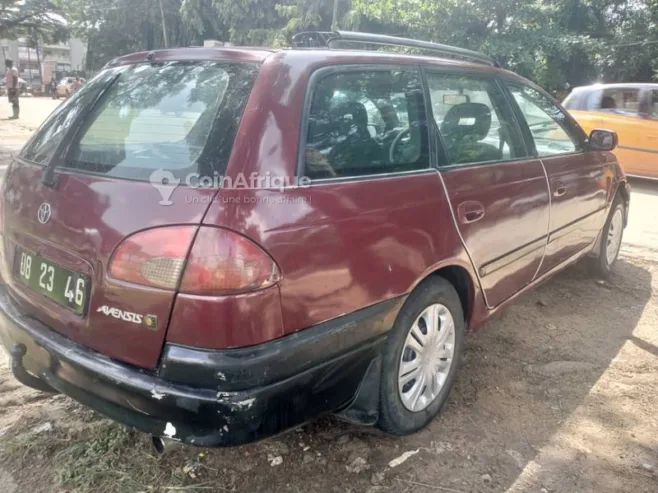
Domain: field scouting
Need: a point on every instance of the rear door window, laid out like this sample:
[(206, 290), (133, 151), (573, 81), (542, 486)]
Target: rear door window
[(366, 122), (178, 117)]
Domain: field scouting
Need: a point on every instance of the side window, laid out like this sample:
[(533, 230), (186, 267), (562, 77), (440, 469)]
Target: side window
[(550, 129), (475, 121), (357, 126), (620, 100), (653, 105), (592, 101)]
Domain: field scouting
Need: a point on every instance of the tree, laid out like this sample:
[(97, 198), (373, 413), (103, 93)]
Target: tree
[(18, 18), (556, 43), (117, 27)]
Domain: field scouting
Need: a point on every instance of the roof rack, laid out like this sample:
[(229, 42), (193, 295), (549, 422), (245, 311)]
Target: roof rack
[(320, 39)]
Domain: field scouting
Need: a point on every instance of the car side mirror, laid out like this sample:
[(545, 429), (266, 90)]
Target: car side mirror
[(603, 140)]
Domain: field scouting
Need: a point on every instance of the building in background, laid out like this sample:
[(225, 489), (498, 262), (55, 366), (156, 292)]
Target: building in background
[(59, 60)]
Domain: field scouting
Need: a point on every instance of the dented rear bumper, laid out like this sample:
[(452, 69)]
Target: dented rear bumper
[(201, 397)]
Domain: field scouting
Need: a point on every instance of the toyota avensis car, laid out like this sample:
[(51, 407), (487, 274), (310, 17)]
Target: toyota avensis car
[(399, 201)]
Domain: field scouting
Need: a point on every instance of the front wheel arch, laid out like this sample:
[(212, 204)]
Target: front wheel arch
[(599, 265), (623, 194)]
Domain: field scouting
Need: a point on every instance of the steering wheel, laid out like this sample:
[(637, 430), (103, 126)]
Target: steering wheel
[(396, 141)]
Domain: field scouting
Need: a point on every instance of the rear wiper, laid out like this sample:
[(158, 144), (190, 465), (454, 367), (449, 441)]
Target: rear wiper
[(48, 178)]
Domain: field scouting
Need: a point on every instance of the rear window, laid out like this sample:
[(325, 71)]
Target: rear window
[(45, 142), (179, 117)]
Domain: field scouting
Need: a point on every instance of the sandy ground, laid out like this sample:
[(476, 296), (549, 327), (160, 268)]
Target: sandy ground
[(556, 395)]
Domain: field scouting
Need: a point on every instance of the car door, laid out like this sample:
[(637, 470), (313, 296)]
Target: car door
[(579, 180), (497, 190)]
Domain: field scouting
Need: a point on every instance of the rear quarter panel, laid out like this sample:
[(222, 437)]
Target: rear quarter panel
[(347, 245), (340, 245)]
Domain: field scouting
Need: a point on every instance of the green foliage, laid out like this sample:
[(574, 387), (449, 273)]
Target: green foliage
[(21, 18), (540, 40), (557, 43)]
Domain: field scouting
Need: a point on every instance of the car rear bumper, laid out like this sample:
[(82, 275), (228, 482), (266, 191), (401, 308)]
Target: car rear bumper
[(201, 397)]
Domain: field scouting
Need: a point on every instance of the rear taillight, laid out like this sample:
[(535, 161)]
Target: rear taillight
[(224, 262), (220, 261), (154, 257)]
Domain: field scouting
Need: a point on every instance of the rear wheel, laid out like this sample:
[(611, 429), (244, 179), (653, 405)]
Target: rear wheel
[(611, 238), (421, 357)]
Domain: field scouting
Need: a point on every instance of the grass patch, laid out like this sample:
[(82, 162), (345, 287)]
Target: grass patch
[(113, 459), (102, 458)]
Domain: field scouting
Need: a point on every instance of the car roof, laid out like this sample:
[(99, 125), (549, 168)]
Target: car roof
[(302, 56), (617, 85), (239, 54)]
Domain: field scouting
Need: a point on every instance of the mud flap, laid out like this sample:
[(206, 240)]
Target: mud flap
[(364, 410)]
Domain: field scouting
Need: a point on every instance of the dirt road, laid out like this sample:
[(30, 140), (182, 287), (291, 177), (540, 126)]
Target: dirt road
[(557, 395)]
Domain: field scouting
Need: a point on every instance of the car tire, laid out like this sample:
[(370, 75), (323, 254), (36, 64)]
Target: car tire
[(611, 238), (434, 299)]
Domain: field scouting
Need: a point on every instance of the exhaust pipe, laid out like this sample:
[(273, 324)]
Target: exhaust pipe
[(164, 445)]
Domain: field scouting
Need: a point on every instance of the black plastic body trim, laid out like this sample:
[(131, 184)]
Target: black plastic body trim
[(284, 383), (242, 368), (513, 256)]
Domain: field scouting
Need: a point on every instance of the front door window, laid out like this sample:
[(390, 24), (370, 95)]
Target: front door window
[(551, 131), (474, 120)]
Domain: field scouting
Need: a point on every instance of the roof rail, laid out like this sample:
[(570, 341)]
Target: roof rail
[(320, 39)]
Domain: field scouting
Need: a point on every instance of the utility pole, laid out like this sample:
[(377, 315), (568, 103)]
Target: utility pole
[(164, 26), (29, 63), (36, 49), (334, 19)]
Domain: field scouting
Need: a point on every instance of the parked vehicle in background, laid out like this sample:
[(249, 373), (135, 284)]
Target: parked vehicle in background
[(22, 86), (66, 87), (631, 110), (439, 191)]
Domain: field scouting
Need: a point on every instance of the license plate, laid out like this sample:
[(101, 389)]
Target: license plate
[(65, 287)]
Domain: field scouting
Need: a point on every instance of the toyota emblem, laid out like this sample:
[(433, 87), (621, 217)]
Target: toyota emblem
[(44, 213)]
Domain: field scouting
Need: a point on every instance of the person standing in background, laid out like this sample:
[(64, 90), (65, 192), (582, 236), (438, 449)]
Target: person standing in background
[(53, 87), (12, 88)]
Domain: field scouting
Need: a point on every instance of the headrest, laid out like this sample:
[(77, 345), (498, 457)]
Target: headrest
[(467, 120), (353, 113)]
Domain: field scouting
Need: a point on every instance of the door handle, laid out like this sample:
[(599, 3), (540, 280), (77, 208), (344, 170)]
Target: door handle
[(560, 189), (470, 211)]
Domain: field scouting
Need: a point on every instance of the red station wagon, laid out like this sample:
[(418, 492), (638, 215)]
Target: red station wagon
[(398, 201)]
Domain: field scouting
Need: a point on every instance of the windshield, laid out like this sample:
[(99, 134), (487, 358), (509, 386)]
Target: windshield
[(162, 117)]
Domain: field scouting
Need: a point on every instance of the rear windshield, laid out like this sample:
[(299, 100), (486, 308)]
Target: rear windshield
[(179, 117)]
